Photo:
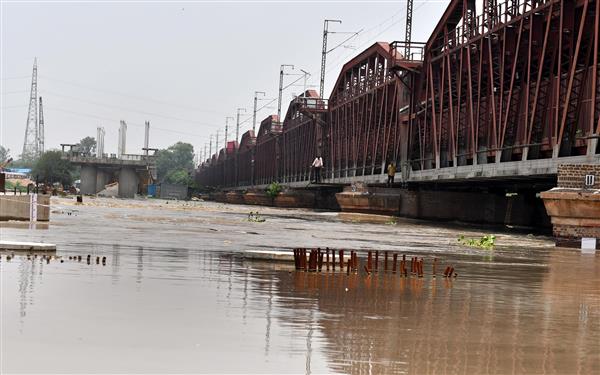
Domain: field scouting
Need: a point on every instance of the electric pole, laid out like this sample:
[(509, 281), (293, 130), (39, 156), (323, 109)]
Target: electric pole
[(281, 74), (237, 126), (306, 75), (409, 12), (210, 149), (324, 54), (226, 130), (217, 143), (254, 112)]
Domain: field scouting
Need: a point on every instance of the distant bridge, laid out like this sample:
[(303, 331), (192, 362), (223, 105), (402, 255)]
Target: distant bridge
[(132, 172)]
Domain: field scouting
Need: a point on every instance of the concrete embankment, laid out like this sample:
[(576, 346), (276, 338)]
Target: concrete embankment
[(523, 209), (18, 207)]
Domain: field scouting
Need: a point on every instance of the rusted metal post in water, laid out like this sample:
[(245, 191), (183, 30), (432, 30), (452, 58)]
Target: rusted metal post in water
[(304, 262), (385, 261), (376, 260), (446, 271), (348, 268), (341, 253), (312, 261), (370, 261), (356, 262), (434, 266), (395, 263), (333, 258), (320, 261), (327, 260)]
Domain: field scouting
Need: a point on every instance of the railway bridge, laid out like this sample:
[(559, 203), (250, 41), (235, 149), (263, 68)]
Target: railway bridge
[(498, 97)]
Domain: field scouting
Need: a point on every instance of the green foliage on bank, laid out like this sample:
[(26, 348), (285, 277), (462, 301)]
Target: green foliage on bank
[(486, 242), (274, 189), (255, 217), (51, 168), (10, 186), (174, 164)]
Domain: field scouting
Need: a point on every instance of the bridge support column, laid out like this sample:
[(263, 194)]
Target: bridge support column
[(128, 182), (102, 178), (88, 179)]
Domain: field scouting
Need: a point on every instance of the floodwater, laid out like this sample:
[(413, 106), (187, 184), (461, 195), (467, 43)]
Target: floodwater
[(175, 296)]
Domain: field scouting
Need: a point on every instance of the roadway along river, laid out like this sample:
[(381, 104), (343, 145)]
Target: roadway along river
[(174, 297)]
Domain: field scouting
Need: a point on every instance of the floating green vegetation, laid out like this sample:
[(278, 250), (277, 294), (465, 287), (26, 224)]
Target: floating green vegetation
[(486, 242), (255, 217), (274, 189), (391, 222)]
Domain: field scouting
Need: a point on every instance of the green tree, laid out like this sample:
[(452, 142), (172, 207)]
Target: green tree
[(51, 168), (4, 154), (88, 145), (178, 157), (178, 176)]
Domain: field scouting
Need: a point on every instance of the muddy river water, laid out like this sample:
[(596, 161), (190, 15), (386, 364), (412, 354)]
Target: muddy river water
[(175, 296)]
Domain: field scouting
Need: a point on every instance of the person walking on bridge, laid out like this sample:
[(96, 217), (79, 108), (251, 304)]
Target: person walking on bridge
[(391, 171), (317, 165)]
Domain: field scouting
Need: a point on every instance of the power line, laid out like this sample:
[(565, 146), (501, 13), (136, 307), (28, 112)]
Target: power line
[(115, 121), (337, 63), (9, 78), (128, 109), (130, 96)]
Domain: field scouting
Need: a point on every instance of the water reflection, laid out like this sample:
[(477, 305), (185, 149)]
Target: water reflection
[(155, 307)]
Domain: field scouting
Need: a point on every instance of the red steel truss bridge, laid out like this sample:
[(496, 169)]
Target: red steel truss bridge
[(502, 90)]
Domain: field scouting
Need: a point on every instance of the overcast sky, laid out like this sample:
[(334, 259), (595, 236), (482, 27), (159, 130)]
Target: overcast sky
[(182, 66)]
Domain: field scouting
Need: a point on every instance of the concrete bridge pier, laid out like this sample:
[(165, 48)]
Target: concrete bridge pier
[(89, 175), (128, 182), (102, 178)]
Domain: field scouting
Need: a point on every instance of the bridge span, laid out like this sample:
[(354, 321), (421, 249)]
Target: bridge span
[(499, 96)]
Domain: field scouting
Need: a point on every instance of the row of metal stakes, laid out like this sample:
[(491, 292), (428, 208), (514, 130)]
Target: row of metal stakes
[(48, 258), (319, 259)]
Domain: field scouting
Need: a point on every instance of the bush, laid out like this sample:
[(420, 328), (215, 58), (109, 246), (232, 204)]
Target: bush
[(274, 189), (51, 168), (486, 242)]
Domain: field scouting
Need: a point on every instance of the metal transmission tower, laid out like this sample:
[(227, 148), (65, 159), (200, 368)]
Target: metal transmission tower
[(41, 130), (324, 54), (31, 142), (408, 36)]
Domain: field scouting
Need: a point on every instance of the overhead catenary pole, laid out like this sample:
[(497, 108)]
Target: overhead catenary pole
[(254, 112), (226, 132), (237, 125), (210, 147), (408, 35), (306, 75), (281, 74), (324, 54)]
